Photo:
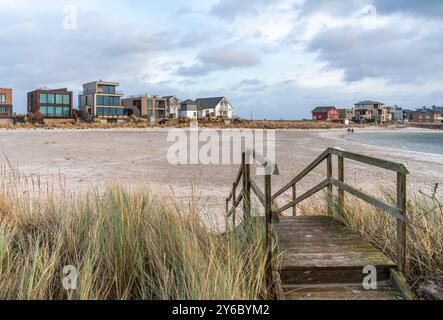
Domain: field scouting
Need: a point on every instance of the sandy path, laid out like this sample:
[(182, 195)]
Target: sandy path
[(133, 156)]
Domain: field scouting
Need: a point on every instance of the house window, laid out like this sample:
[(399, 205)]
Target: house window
[(2, 98), (59, 99), (108, 101), (55, 112), (109, 111), (108, 89), (66, 99), (43, 98), (51, 98)]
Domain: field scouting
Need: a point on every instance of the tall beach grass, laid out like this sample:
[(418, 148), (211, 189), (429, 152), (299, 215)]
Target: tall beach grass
[(125, 243)]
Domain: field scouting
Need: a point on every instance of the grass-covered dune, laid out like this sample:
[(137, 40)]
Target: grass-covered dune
[(125, 244), (130, 243)]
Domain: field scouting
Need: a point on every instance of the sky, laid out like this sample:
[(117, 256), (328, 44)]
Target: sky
[(274, 59)]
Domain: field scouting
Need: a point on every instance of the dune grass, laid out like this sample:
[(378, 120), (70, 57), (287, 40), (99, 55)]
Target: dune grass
[(125, 244)]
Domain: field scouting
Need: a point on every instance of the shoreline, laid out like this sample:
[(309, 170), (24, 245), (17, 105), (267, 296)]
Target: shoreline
[(133, 156)]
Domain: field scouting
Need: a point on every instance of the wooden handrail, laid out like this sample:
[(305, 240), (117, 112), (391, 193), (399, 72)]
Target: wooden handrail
[(398, 211), (303, 174), (235, 205), (266, 198), (385, 164), (394, 211), (261, 196), (236, 183), (305, 196), (270, 167)]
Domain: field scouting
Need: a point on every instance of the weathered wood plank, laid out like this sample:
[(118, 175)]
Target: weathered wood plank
[(305, 196), (394, 211), (339, 292), (401, 224), (385, 164), (399, 282), (325, 276), (329, 260), (303, 174)]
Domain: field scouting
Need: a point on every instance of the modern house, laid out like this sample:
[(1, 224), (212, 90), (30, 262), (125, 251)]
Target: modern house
[(329, 113), (189, 110), (146, 106), (5, 103), (425, 115), (172, 106), (101, 100), (407, 115), (51, 103), (371, 111), (213, 108), (397, 114), (346, 115)]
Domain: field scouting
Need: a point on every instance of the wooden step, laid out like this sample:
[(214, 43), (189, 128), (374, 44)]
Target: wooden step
[(340, 292), (319, 250), (330, 275)]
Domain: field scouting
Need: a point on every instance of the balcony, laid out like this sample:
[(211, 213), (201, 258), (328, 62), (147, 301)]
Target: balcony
[(81, 93)]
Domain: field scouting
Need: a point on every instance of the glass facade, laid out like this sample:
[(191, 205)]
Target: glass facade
[(5, 111), (115, 112), (55, 105), (55, 98), (55, 112), (108, 101), (108, 89)]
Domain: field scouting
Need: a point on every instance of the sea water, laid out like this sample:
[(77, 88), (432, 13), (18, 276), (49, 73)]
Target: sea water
[(427, 142)]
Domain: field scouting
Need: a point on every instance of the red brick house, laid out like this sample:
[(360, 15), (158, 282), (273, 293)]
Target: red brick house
[(428, 115), (325, 114)]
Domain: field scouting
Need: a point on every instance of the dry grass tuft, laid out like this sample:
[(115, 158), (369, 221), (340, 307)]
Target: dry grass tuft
[(125, 244)]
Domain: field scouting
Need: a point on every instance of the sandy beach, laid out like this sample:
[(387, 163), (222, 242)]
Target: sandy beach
[(139, 156)]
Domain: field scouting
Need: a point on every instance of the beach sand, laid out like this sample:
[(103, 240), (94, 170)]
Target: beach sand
[(138, 157)]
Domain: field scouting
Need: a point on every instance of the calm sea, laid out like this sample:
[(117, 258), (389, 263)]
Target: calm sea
[(428, 142)]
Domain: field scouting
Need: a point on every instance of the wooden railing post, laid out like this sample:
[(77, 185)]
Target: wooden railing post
[(294, 197), (329, 173), (401, 224), (226, 215), (246, 186), (234, 199), (268, 219), (341, 178)]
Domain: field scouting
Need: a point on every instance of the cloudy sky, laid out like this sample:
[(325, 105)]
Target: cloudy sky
[(277, 58)]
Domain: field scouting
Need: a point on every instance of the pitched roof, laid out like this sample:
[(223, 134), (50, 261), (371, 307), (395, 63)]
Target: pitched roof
[(434, 109), (323, 109), (208, 103), (188, 105), (189, 101), (169, 97)]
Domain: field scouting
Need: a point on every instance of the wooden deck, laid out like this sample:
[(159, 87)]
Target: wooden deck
[(324, 260)]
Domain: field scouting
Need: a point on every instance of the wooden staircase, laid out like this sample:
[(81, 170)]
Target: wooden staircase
[(321, 258), (324, 260)]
